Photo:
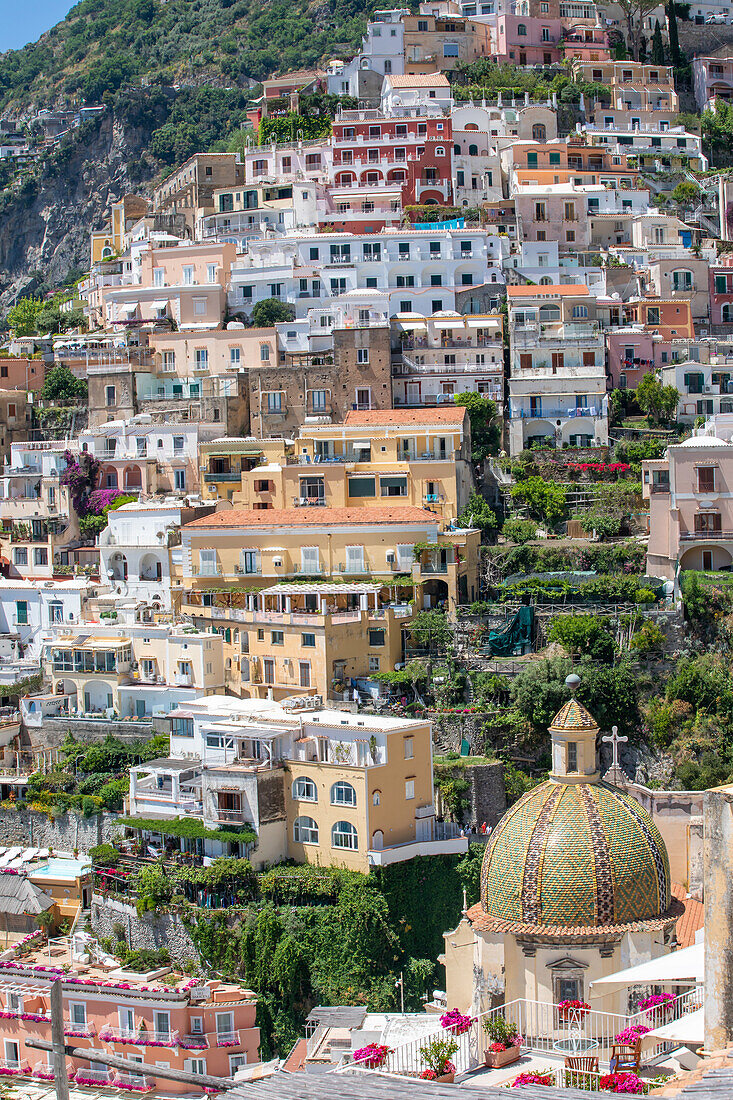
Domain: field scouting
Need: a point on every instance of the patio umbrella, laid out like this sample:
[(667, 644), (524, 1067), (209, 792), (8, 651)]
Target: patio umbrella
[(689, 1031), (676, 968)]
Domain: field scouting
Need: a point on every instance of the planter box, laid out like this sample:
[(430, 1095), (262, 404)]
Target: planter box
[(495, 1059), (446, 1079)]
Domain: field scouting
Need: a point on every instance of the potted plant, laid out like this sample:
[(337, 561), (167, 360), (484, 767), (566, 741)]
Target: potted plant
[(372, 1056), (572, 1010), (625, 1082), (534, 1077), (437, 1054), (505, 1042), (455, 1021)]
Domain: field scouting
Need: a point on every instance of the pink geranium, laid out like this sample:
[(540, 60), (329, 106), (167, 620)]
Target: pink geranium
[(456, 1022), (372, 1056), (622, 1082)]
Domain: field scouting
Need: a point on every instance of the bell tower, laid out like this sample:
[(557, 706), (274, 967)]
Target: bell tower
[(573, 733)]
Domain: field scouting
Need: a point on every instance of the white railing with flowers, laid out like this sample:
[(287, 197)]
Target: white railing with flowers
[(546, 1029)]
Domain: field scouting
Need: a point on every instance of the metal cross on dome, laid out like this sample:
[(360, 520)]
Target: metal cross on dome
[(614, 740)]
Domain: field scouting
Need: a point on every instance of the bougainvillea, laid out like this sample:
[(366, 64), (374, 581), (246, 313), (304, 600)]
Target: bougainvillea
[(621, 1082), (659, 1002), (455, 1021)]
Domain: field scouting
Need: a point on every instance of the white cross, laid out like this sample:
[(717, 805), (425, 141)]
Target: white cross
[(615, 740)]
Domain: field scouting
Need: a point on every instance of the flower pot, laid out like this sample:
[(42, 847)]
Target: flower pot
[(495, 1059), (446, 1079)]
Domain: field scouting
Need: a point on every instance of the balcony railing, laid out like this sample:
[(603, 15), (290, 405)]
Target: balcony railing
[(92, 1076), (77, 1028), (230, 817), (230, 475), (228, 1039), (703, 536), (136, 1036)]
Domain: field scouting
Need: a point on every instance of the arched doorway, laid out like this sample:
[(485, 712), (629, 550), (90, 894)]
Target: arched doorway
[(133, 478)]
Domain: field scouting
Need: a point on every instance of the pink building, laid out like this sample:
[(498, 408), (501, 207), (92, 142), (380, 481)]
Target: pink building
[(522, 40), (690, 493), (630, 355), (721, 292), (158, 1019)]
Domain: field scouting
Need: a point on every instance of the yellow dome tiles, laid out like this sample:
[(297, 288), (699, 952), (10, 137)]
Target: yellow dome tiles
[(573, 716), (575, 855)]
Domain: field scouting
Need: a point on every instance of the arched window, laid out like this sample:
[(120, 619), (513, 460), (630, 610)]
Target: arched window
[(378, 840), (726, 313), (473, 150), (549, 313), (580, 311), (305, 789), (343, 794), (545, 281), (439, 151), (471, 126), (522, 30), (376, 798), (305, 831), (343, 835), (457, 150), (539, 131)]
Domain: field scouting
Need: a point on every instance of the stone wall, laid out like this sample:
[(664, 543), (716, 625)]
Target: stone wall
[(65, 833), (151, 932), (486, 793), (54, 731)]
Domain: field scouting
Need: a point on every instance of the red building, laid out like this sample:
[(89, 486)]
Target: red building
[(373, 150)]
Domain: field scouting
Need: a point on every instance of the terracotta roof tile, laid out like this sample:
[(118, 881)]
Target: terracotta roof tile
[(419, 80), (692, 919), (382, 418), (316, 517)]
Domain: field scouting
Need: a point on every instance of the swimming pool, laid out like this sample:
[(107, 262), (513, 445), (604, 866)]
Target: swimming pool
[(55, 867)]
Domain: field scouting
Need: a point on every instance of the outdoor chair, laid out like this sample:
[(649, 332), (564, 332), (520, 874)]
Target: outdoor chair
[(587, 1063), (626, 1057)]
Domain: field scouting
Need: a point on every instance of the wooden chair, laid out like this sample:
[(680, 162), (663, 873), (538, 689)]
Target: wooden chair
[(626, 1057), (587, 1063)]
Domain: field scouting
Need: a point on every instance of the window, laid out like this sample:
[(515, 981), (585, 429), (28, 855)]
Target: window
[(522, 30), (110, 395), (308, 640), (21, 612), (211, 270), (250, 561), (343, 794), (199, 307), (188, 276), (305, 789), (572, 756), (362, 355), (362, 486), (706, 479), (268, 674), (304, 674), (182, 727), (305, 831), (277, 637), (450, 49), (20, 555), (343, 835), (652, 315), (374, 664), (708, 523), (78, 1014), (56, 612), (376, 637), (274, 401), (318, 400), (409, 745), (580, 312), (409, 788), (158, 274), (40, 556)]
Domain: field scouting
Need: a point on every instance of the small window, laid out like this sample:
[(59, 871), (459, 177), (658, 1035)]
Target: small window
[(409, 788), (376, 637), (409, 744), (308, 641), (277, 637), (572, 756)]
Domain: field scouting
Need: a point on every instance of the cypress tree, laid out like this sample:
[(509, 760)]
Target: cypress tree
[(657, 45)]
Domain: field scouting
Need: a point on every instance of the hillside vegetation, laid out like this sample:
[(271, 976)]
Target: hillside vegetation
[(102, 45)]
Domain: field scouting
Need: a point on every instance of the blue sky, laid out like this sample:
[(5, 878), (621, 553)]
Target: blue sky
[(25, 21)]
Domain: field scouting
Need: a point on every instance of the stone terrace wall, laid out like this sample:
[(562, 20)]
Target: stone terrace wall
[(148, 932), (67, 832)]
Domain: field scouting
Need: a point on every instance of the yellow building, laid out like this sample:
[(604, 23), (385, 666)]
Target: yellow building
[(111, 241), (254, 549), (418, 458), (309, 639)]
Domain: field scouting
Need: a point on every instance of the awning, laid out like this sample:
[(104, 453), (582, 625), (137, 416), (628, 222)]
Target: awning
[(489, 323), (410, 321), (160, 305), (677, 968), (449, 322), (129, 308), (689, 1030)]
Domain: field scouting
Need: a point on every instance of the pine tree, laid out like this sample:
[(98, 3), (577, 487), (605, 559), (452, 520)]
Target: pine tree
[(657, 45)]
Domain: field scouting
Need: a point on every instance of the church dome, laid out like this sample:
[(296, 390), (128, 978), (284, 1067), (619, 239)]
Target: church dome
[(575, 853)]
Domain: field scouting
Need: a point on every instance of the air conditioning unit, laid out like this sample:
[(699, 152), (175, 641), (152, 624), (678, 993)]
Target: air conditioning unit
[(707, 389)]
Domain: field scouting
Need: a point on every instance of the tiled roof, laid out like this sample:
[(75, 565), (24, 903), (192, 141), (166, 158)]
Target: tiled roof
[(419, 80), (692, 919), (566, 932), (571, 289), (572, 857), (573, 716), (316, 517), (379, 418)]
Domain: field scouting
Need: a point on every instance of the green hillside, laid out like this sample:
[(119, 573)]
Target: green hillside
[(103, 45)]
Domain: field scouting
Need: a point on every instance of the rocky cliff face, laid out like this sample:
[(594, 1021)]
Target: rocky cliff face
[(45, 223)]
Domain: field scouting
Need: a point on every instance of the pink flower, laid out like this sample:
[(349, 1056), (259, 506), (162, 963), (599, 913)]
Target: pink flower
[(372, 1056), (456, 1022)]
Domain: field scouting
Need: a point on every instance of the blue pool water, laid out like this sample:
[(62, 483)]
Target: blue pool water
[(60, 868)]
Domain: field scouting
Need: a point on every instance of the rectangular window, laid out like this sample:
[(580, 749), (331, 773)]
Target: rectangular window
[(188, 276), (362, 487), (376, 637), (268, 673), (362, 355), (264, 353), (308, 641), (40, 556), (409, 743), (525, 360), (706, 479), (211, 270), (277, 637), (250, 561), (304, 670), (20, 555), (202, 359), (21, 612), (274, 402), (572, 756), (199, 307), (409, 788), (110, 395), (374, 664)]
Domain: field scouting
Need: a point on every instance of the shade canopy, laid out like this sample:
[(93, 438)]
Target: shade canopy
[(689, 1030), (677, 968)]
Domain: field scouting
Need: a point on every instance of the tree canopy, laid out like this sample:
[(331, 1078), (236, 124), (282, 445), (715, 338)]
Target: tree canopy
[(63, 387), (485, 426), (659, 402), (271, 311)]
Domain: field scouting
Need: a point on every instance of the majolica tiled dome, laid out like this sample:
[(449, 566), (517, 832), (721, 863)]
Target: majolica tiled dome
[(575, 855)]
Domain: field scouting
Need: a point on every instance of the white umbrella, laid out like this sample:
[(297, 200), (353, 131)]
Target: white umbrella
[(689, 1031), (676, 968)]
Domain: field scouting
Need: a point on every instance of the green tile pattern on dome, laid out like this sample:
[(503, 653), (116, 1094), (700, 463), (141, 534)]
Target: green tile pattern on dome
[(573, 716), (576, 855)]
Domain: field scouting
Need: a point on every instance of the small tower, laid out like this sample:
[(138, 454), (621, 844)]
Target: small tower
[(573, 733)]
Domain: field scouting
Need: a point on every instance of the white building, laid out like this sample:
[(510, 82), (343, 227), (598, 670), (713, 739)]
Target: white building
[(434, 358), (31, 611)]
